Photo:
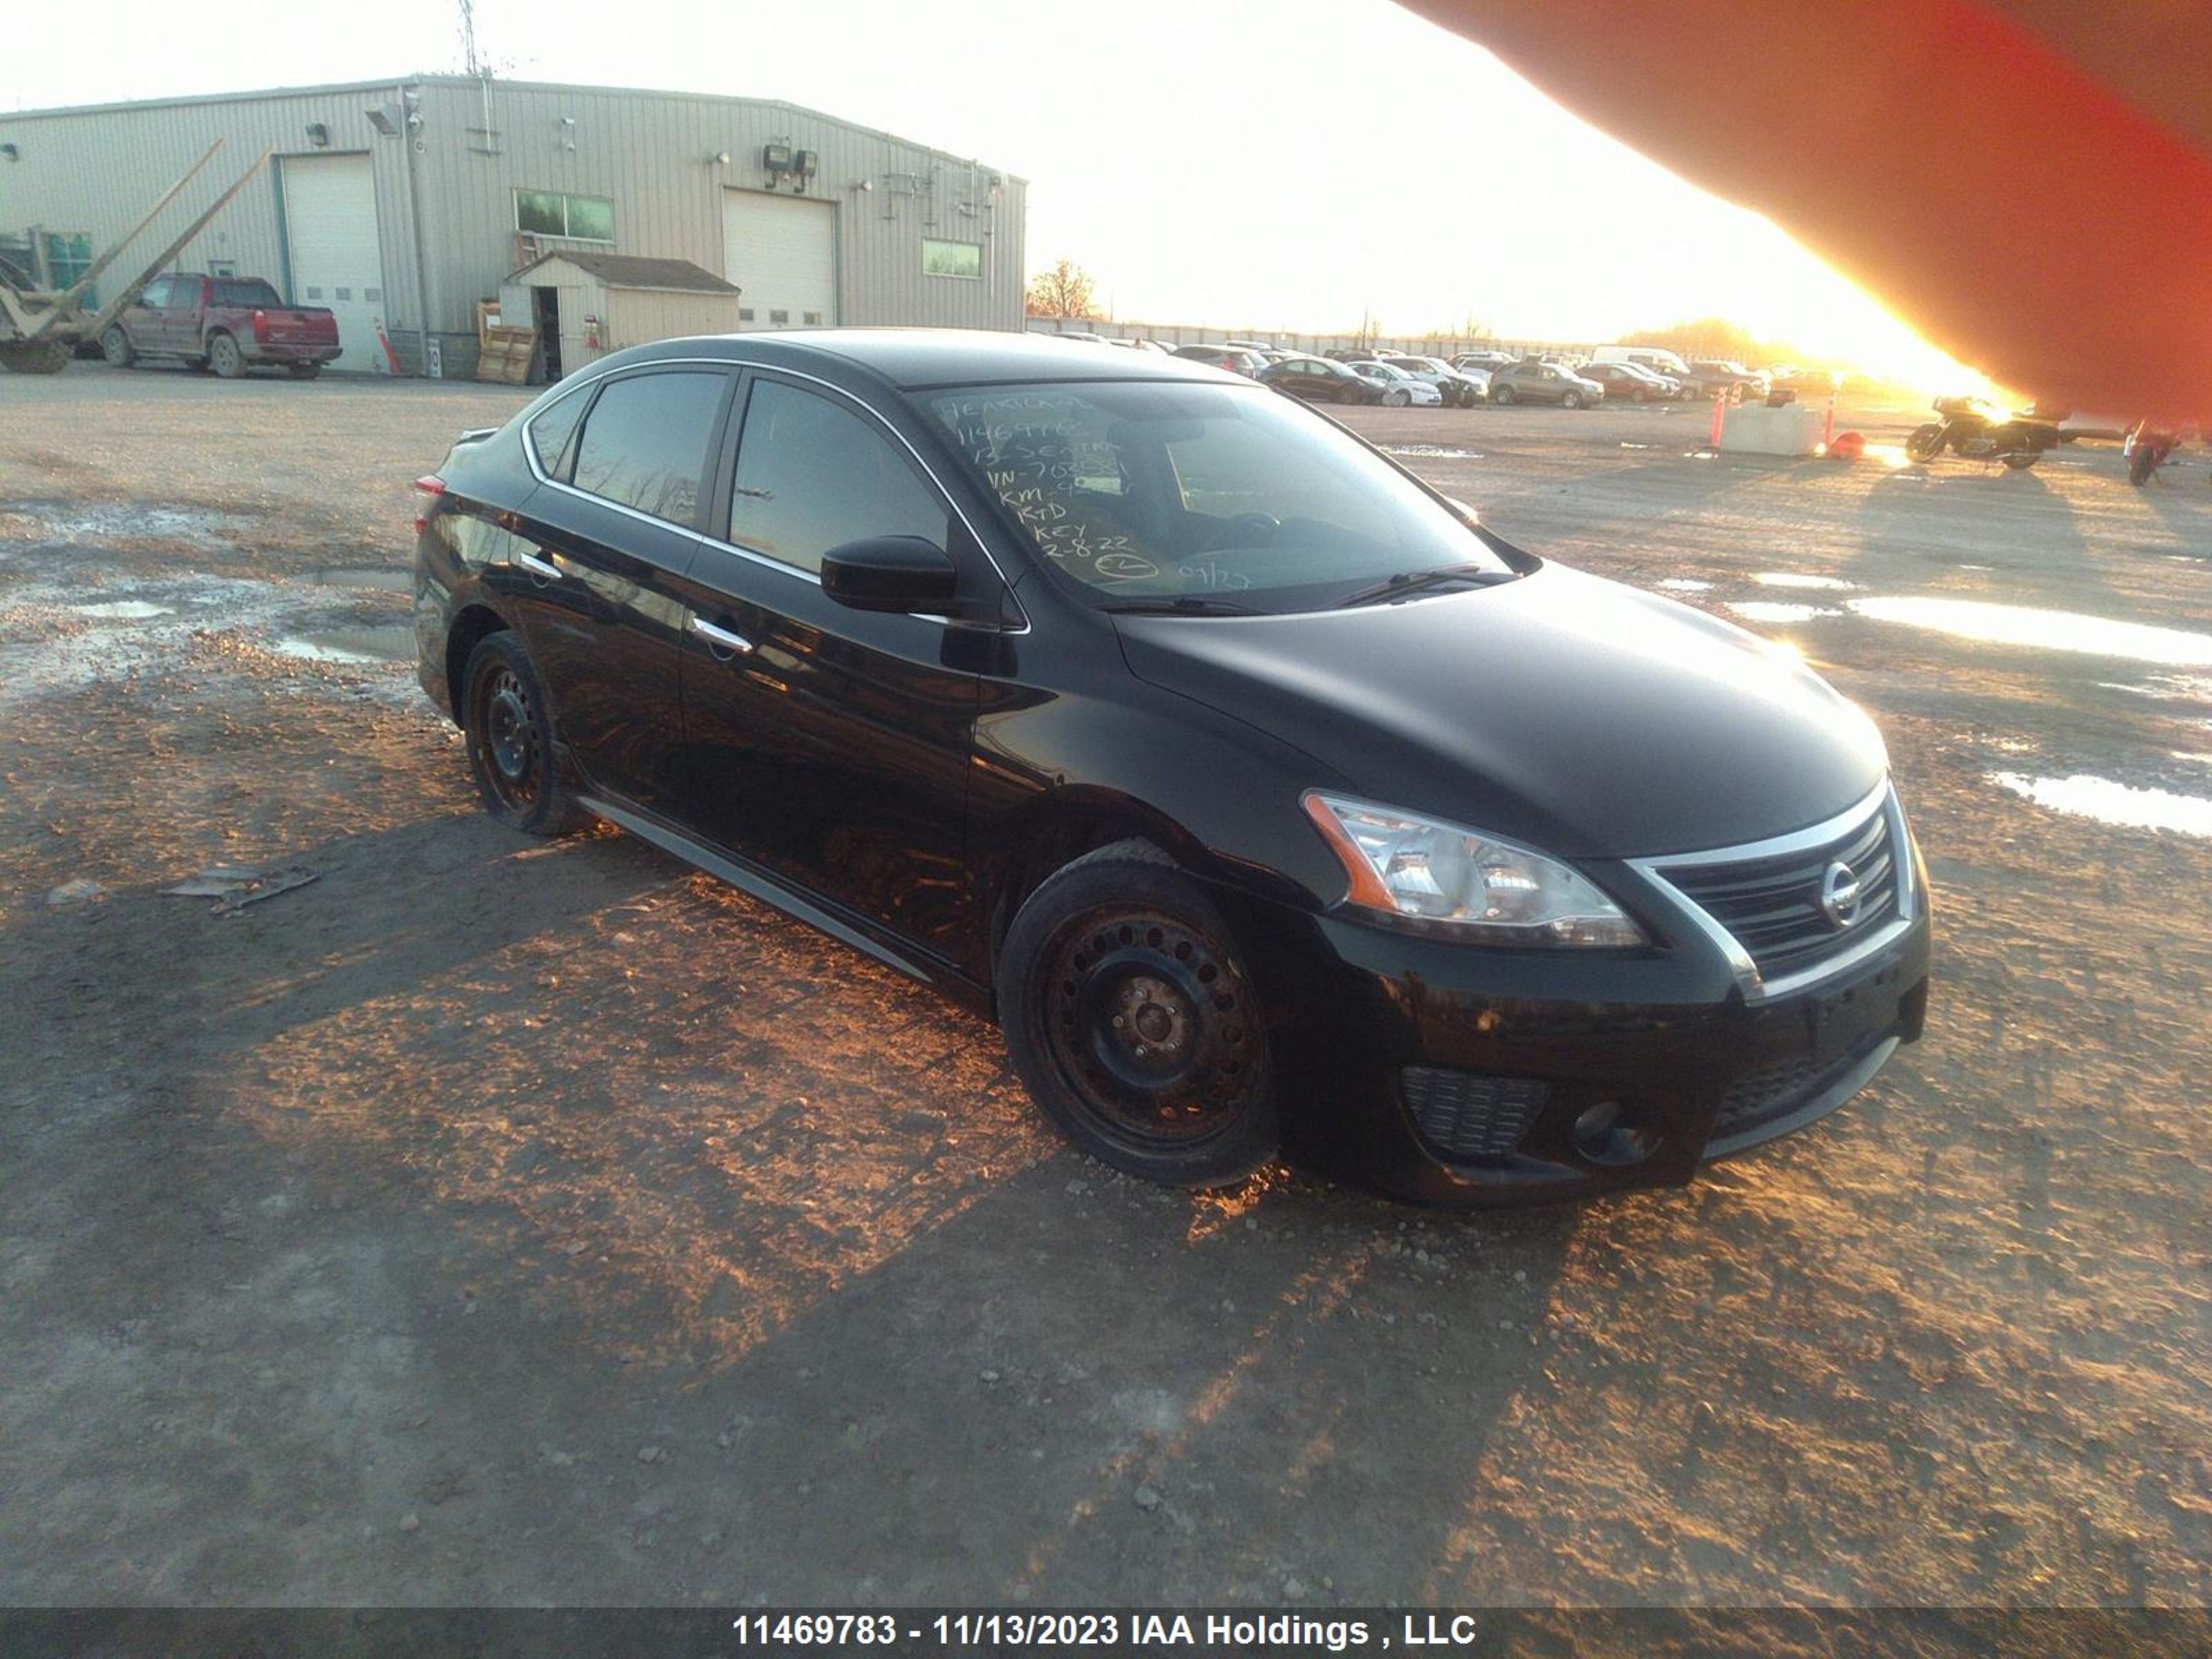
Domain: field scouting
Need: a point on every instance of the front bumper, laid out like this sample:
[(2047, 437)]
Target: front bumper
[(1446, 1073)]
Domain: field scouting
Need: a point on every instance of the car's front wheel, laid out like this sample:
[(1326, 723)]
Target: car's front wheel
[(1132, 1022), (1572, 400), (115, 346), (511, 736)]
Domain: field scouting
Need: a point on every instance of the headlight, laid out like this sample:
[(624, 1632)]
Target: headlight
[(1476, 886)]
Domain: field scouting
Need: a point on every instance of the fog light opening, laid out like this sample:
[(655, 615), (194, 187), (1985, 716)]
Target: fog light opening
[(1604, 1134)]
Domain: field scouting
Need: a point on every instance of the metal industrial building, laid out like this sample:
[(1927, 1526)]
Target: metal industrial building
[(402, 205)]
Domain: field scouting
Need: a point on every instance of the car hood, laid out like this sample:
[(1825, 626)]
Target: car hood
[(1584, 717)]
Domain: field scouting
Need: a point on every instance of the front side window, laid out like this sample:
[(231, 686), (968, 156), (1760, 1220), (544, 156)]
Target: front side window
[(556, 213), (951, 258), (1158, 491), (183, 294), (813, 475), (156, 294), (644, 444)]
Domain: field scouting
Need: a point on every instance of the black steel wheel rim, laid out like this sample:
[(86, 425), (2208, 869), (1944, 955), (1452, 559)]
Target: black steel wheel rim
[(513, 760), (1147, 1024)]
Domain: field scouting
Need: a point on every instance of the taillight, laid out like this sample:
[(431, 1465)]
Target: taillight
[(261, 327), (428, 487)]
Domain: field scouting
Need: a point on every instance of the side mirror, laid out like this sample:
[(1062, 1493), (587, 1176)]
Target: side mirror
[(891, 573)]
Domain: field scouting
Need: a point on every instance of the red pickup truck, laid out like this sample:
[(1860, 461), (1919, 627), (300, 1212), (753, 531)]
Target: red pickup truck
[(228, 323)]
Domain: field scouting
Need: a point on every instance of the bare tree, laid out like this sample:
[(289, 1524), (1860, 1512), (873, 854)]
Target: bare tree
[(1064, 290)]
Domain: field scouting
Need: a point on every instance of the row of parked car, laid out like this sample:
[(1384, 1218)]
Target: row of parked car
[(1353, 375)]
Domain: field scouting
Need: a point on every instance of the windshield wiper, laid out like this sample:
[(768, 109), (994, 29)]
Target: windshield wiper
[(1184, 605), (1412, 581)]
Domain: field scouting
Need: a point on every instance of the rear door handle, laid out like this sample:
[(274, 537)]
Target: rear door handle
[(722, 638), (537, 567)]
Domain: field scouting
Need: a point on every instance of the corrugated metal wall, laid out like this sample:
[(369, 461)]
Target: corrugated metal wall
[(94, 170)]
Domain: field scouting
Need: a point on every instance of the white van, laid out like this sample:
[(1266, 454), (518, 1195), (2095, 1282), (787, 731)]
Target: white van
[(1657, 358)]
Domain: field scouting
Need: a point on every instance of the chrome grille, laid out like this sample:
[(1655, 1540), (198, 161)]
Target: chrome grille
[(1771, 903)]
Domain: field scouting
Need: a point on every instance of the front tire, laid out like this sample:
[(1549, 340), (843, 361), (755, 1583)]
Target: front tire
[(224, 357), (1132, 1022), (1924, 443), (1572, 400), (115, 346), (512, 740)]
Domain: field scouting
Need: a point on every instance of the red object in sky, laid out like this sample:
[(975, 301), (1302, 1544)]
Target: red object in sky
[(2027, 183)]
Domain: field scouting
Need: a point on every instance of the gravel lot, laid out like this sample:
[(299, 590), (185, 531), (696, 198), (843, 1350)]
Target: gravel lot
[(494, 1222)]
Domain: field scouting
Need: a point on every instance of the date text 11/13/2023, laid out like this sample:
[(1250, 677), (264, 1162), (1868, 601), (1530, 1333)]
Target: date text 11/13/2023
[(1201, 1631)]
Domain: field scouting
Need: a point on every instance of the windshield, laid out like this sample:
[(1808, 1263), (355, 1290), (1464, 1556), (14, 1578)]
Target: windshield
[(1160, 491)]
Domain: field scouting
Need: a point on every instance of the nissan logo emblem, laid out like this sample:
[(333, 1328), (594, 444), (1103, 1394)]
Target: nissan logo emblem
[(1839, 894)]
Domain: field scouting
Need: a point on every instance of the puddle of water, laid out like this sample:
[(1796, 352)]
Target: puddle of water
[(1685, 584), (1439, 452), (123, 609), (2108, 801), (1793, 579), (389, 581), (2166, 688), (392, 643), (2048, 630), (1773, 611), (1626, 445), (96, 520)]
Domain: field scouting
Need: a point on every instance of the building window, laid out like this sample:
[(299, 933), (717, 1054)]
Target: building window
[(745, 313), (553, 213), (951, 258)]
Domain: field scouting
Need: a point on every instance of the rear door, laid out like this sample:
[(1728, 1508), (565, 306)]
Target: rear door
[(592, 575), (828, 744)]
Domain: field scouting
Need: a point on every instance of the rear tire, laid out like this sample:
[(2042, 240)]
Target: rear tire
[(115, 346), (2020, 461), (1924, 443), (224, 357), (1131, 1020), (34, 356), (513, 742), (1502, 395)]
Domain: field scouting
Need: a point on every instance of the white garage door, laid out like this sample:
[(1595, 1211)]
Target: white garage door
[(330, 223), (782, 251)]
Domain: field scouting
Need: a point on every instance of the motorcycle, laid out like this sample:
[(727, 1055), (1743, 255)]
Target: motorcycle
[(1976, 429)]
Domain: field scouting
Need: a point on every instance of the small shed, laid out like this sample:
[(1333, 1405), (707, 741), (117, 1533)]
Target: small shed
[(586, 304)]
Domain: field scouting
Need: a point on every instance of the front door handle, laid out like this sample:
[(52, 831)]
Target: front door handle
[(720, 638), (537, 567)]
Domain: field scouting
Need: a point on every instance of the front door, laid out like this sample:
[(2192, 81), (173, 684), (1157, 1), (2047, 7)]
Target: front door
[(828, 744), (592, 580)]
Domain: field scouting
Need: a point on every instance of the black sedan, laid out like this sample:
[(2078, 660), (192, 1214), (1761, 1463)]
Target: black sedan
[(1321, 380), (1260, 796)]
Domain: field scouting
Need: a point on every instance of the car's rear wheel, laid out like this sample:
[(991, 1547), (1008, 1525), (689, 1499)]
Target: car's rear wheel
[(2020, 461), (1131, 1020), (1501, 394), (224, 357), (511, 737), (115, 346)]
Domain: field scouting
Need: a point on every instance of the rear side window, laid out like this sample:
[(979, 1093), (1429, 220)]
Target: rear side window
[(812, 475), (553, 431), (644, 443), (253, 293)]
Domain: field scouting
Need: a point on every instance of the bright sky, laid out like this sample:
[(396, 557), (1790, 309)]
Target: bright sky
[(1284, 165)]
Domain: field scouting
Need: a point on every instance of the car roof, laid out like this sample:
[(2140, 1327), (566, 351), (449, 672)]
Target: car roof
[(913, 358)]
